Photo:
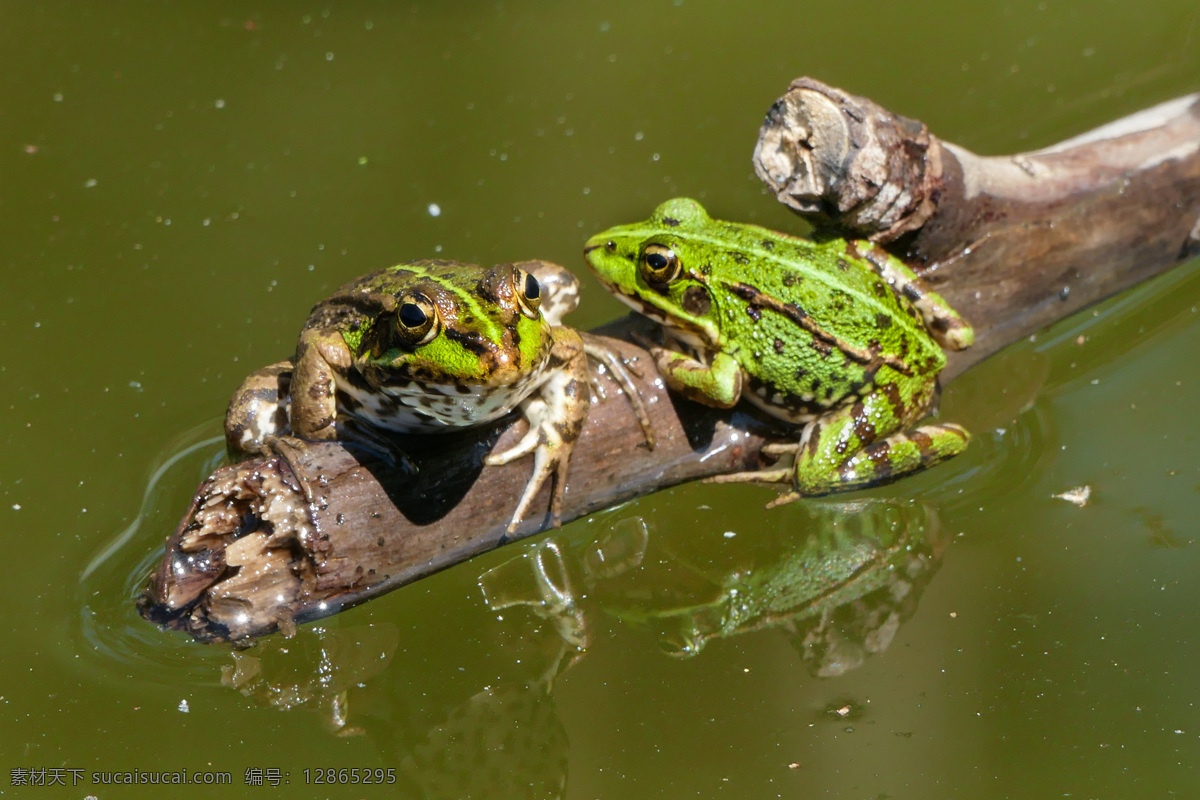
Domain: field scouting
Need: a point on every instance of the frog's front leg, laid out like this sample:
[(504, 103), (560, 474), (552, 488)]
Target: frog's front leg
[(943, 322), (859, 445), (717, 383), (621, 374), (556, 415), (313, 412)]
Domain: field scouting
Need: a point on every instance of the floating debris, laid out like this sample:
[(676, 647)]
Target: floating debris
[(1079, 495)]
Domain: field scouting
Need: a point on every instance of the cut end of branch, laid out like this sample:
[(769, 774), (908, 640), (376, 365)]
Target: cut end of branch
[(242, 560), (801, 152), (838, 159)]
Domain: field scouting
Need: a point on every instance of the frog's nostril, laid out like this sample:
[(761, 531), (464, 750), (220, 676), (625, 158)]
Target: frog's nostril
[(610, 246)]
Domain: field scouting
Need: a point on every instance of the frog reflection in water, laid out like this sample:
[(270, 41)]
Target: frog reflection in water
[(838, 581), (433, 346), (836, 335)]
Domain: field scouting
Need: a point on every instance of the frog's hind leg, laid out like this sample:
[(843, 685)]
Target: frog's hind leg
[(258, 410), (943, 322), (883, 460), (842, 451)]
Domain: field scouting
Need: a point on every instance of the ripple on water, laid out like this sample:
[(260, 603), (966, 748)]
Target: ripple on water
[(113, 640)]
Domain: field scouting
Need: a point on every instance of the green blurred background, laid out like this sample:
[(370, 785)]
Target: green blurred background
[(179, 183)]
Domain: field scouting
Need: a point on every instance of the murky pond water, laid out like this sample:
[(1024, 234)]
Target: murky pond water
[(181, 183)]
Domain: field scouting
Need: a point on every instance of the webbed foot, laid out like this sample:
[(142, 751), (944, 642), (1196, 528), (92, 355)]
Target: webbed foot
[(828, 458)]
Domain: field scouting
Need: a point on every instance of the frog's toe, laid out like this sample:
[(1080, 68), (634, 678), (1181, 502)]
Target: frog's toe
[(550, 464), (528, 444), (754, 476), (783, 500), (621, 374), (781, 475)]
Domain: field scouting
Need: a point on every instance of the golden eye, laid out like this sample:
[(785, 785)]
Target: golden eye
[(417, 320), (658, 264), (529, 293)]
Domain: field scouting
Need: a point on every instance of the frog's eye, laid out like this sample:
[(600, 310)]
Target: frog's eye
[(529, 293), (417, 320), (658, 264)]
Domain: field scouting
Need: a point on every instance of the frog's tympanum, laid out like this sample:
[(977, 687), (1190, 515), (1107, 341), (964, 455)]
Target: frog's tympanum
[(431, 346), (836, 335)]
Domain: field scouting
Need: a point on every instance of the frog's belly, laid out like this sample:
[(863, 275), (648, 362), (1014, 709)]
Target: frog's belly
[(418, 407), (794, 408)]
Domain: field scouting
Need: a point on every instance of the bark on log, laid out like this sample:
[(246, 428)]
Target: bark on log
[(1014, 243)]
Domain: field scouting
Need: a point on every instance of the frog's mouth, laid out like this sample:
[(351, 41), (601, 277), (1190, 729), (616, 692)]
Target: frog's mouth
[(685, 331), (645, 309)]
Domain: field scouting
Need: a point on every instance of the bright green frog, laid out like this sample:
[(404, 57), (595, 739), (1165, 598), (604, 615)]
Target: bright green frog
[(837, 335), (433, 346)]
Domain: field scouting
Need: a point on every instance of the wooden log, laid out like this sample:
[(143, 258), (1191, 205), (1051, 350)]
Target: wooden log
[(1014, 243)]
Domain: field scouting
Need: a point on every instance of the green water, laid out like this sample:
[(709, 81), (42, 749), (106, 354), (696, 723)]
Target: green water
[(180, 182)]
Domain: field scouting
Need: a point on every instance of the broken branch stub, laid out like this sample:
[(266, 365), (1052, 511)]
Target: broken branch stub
[(846, 161)]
